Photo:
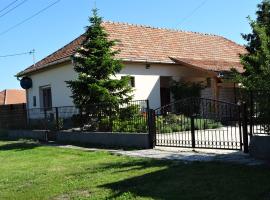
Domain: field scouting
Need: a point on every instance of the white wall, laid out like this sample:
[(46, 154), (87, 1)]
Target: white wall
[(56, 78), (147, 82)]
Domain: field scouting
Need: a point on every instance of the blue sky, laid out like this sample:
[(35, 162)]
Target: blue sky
[(66, 20)]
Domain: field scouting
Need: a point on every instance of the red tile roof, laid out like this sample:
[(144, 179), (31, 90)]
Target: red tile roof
[(8, 97), (211, 65), (148, 44)]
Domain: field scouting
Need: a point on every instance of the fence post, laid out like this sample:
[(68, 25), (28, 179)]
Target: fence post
[(245, 127), (152, 128), (192, 118), (147, 105), (24, 114), (240, 125), (57, 118), (251, 114)]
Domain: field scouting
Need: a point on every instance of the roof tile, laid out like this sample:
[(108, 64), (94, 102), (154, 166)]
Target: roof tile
[(14, 96), (143, 43)]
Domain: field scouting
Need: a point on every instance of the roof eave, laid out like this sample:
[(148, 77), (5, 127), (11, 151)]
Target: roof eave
[(44, 67)]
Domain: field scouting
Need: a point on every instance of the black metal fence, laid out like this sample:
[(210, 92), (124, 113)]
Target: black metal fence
[(199, 123), (129, 117), (258, 110)]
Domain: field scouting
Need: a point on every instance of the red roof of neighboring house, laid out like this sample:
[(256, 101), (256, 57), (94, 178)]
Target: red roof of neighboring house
[(8, 97), (147, 44)]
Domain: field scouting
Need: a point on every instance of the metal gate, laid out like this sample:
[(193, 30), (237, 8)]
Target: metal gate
[(198, 123)]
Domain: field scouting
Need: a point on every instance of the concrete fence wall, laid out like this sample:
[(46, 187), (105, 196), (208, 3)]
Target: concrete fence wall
[(136, 140), (259, 147), (26, 134)]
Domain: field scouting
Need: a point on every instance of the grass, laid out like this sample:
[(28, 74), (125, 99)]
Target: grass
[(32, 171)]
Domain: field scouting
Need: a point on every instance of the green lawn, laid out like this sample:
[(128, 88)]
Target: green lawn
[(30, 171)]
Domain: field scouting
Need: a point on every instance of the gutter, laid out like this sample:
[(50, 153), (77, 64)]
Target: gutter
[(20, 74), (173, 61)]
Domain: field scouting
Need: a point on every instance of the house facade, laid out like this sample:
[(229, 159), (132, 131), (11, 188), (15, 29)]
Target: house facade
[(152, 57)]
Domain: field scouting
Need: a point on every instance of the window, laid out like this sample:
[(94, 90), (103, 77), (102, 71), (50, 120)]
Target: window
[(131, 80), (34, 101), (46, 97)]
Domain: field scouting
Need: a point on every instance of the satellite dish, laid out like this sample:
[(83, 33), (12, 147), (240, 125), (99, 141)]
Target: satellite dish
[(26, 83)]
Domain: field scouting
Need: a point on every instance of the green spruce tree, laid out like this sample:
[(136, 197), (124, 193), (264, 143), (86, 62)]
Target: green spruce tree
[(96, 66)]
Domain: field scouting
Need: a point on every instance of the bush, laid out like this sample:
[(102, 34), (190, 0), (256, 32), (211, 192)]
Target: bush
[(177, 123), (129, 112), (176, 128), (166, 129), (138, 125)]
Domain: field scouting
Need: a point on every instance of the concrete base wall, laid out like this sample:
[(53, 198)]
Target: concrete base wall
[(259, 147), (136, 140), (27, 134)]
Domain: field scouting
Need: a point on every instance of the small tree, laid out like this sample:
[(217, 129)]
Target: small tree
[(97, 66)]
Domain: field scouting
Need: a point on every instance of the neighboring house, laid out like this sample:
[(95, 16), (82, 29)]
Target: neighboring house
[(153, 57), (8, 97)]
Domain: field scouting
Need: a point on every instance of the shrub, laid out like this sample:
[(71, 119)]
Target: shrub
[(177, 123), (206, 124), (172, 118), (166, 129), (176, 128), (129, 112), (137, 124)]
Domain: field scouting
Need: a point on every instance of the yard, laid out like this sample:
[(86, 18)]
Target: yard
[(32, 171)]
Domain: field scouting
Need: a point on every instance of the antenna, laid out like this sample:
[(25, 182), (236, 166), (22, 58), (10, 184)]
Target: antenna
[(95, 4), (32, 52)]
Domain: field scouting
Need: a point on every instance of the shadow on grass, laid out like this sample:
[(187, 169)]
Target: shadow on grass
[(18, 145), (173, 180)]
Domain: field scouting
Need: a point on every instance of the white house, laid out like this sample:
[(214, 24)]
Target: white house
[(153, 56)]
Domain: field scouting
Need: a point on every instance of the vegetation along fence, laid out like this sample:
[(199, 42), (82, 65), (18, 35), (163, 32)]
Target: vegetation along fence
[(191, 122), (129, 117), (258, 110), (198, 123)]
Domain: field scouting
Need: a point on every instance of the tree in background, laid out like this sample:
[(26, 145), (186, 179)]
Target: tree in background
[(96, 66), (186, 91), (257, 64), (257, 61)]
